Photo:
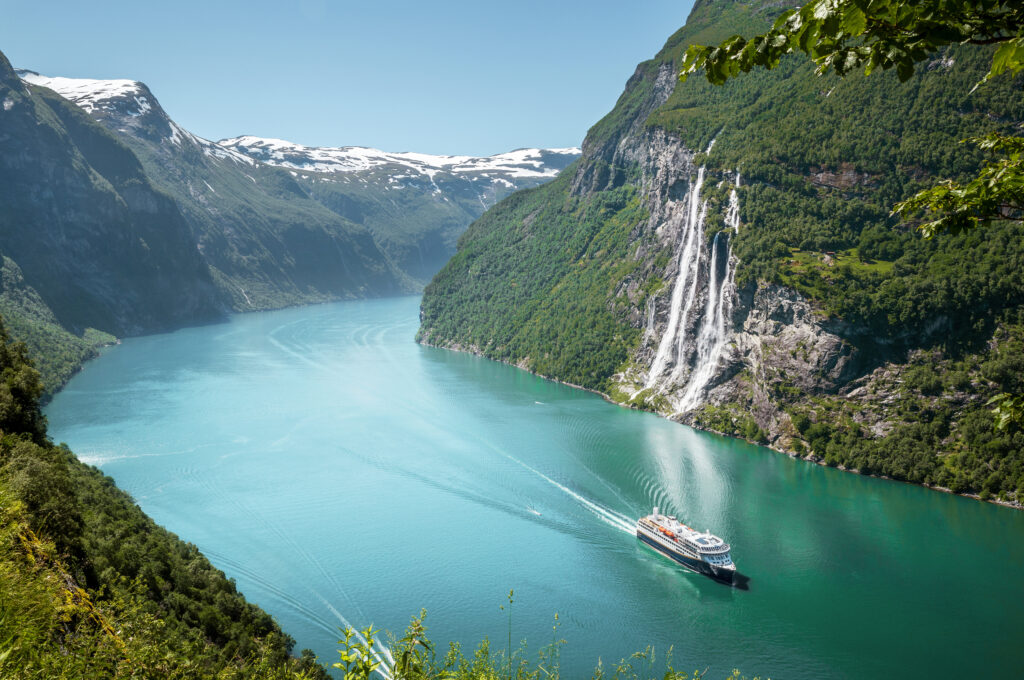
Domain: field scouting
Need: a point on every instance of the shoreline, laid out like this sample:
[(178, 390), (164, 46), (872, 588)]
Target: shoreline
[(809, 458)]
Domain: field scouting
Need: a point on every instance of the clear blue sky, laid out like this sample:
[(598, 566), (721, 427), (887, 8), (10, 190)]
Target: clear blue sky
[(453, 77)]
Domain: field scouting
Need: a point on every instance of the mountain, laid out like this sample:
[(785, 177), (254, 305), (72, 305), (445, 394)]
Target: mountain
[(241, 225), (416, 205), (282, 223), (87, 241), (266, 242), (725, 256)]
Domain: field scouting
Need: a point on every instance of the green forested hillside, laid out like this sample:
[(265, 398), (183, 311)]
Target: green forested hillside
[(822, 161), (544, 306), (55, 351)]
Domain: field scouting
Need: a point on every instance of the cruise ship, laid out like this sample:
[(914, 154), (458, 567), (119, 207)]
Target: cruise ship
[(701, 552)]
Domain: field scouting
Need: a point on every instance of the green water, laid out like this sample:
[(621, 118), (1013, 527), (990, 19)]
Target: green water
[(342, 473)]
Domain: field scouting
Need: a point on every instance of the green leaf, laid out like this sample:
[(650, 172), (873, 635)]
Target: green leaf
[(854, 21)]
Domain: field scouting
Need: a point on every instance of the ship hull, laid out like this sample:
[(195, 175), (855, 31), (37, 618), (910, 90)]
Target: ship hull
[(691, 563)]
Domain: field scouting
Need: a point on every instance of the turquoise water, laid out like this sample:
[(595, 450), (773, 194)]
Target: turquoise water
[(342, 473)]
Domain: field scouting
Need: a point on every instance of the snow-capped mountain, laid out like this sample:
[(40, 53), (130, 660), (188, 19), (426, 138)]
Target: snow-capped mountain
[(417, 205), (518, 164), (132, 105), (266, 241), (414, 205)]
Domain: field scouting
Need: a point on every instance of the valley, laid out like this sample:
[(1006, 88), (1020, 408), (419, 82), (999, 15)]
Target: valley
[(266, 402)]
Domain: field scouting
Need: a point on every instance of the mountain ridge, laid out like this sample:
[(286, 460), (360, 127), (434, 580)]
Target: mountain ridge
[(413, 205)]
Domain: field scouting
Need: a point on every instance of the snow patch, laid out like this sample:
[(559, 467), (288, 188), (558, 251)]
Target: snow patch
[(91, 94), (521, 163)]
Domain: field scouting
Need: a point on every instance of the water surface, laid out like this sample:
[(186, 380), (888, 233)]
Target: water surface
[(343, 474)]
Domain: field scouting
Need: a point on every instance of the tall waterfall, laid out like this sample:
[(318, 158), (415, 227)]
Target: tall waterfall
[(696, 335), (732, 215), (686, 277), (712, 337)]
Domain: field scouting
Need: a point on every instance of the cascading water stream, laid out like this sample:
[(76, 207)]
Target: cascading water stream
[(686, 278), (707, 344), (732, 215), (691, 298), (712, 338)]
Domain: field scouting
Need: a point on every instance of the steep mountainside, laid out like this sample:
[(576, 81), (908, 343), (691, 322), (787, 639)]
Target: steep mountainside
[(416, 205), (87, 241), (725, 256), (267, 243)]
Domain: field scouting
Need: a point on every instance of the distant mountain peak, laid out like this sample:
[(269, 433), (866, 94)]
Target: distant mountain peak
[(130, 103), (413, 205), (90, 94), (518, 163)]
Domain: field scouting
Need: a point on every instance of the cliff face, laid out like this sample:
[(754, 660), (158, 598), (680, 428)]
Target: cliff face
[(726, 257), (705, 340)]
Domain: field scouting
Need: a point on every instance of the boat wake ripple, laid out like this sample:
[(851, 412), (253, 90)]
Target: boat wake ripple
[(612, 518)]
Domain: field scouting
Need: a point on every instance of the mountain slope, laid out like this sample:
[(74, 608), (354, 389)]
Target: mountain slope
[(87, 240), (727, 259), (280, 223), (266, 242), (416, 205)]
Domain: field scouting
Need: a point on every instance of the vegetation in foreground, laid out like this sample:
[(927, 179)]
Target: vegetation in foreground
[(90, 587), (414, 657)]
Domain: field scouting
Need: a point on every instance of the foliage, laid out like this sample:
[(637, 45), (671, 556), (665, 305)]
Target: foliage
[(846, 35), (415, 659), (56, 352), (996, 193), (731, 422), (531, 284), (937, 427), (1008, 408)]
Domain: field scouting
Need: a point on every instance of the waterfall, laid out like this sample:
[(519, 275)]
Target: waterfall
[(689, 256), (732, 215), (691, 297), (701, 300), (652, 303), (712, 337)]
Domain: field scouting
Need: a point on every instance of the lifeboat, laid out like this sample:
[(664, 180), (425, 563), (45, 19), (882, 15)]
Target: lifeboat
[(666, 532)]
